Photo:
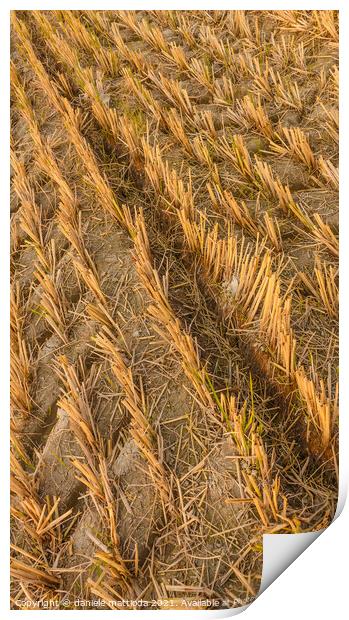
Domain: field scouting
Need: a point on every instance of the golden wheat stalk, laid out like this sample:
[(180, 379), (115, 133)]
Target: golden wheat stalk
[(30, 214), (67, 218), (240, 213), (163, 313), (136, 59), (19, 373), (261, 77), (129, 135), (219, 49), (52, 299), (103, 588), (296, 144), (99, 21), (88, 41), (129, 19), (219, 256), (224, 92), (41, 521), (26, 46), (212, 251), (55, 41), (143, 95), (134, 402), (266, 494), (332, 122), (26, 573), (60, 47), (185, 29), (247, 66), (285, 51), (175, 124), (202, 73), (201, 152), (286, 94), (173, 91), (75, 29), (275, 321), (247, 115), (326, 277), (238, 154), (335, 82), (238, 22), (272, 230), (177, 56), (329, 172), (107, 118), (255, 289), (204, 121), (325, 24), (323, 233), (166, 181), (153, 35), (96, 177), (322, 408), (168, 19), (44, 154), (261, 487), (70, 224), (293, 21), (272, 187)]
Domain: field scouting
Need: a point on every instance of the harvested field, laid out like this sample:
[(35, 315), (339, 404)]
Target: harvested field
[(174, 300)]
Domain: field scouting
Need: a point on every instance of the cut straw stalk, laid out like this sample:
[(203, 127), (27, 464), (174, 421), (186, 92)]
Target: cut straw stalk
[(41, 521), (225, 201), (219, 49), (329, 172), (323, 233), (220, 257), (248, 115), (294, 142), (170, 88), (322, 408), (288, 95), (26, 573), (324, 286)]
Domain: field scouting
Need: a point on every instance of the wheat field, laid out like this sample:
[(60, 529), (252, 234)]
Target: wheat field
[(174, 301)]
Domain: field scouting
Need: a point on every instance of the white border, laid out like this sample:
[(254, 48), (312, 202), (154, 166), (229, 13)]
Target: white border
[(315, 584)]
